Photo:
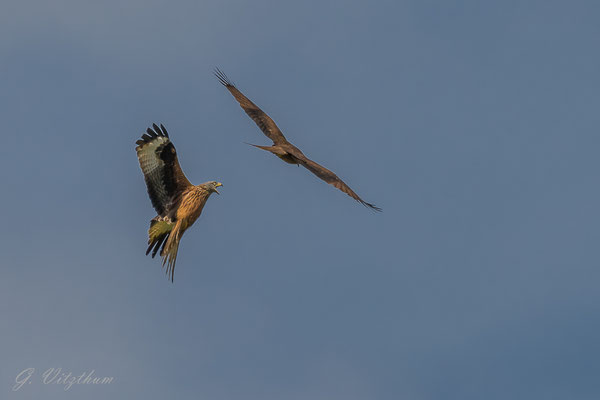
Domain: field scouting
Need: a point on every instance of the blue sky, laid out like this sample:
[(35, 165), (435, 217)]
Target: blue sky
[(474, 125)]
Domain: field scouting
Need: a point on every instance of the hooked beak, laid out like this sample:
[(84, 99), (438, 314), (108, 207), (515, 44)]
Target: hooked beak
[(216, 186)]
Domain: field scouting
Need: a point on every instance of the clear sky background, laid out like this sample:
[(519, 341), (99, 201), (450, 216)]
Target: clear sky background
[(473, 124)]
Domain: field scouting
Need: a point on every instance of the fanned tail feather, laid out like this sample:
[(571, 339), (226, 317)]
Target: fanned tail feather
[(170, 248)]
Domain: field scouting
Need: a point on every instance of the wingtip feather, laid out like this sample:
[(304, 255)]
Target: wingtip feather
[(222, 77), (373, 207), (151, 134)]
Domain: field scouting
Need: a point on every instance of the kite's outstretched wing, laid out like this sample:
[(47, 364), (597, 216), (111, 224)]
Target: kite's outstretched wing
[(331, 178), (163, 175), (264, 122)]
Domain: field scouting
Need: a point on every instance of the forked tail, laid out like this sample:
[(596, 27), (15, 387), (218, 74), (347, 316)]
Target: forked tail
[(169, 251), (267, 148)]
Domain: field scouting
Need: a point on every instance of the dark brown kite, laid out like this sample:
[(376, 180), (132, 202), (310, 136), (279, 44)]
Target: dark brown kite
[(281, 147)]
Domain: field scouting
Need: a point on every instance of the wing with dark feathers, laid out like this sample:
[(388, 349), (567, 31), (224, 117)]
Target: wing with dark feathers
[(158, 159), (332, 179), (264, 122)]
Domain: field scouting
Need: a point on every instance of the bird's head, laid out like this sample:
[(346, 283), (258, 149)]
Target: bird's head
[(212, 186)]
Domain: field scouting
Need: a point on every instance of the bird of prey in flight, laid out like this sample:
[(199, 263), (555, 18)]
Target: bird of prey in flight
[(177, 202), (281, 147)]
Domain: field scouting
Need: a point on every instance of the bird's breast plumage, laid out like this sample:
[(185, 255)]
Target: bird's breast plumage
[(192, 203)]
